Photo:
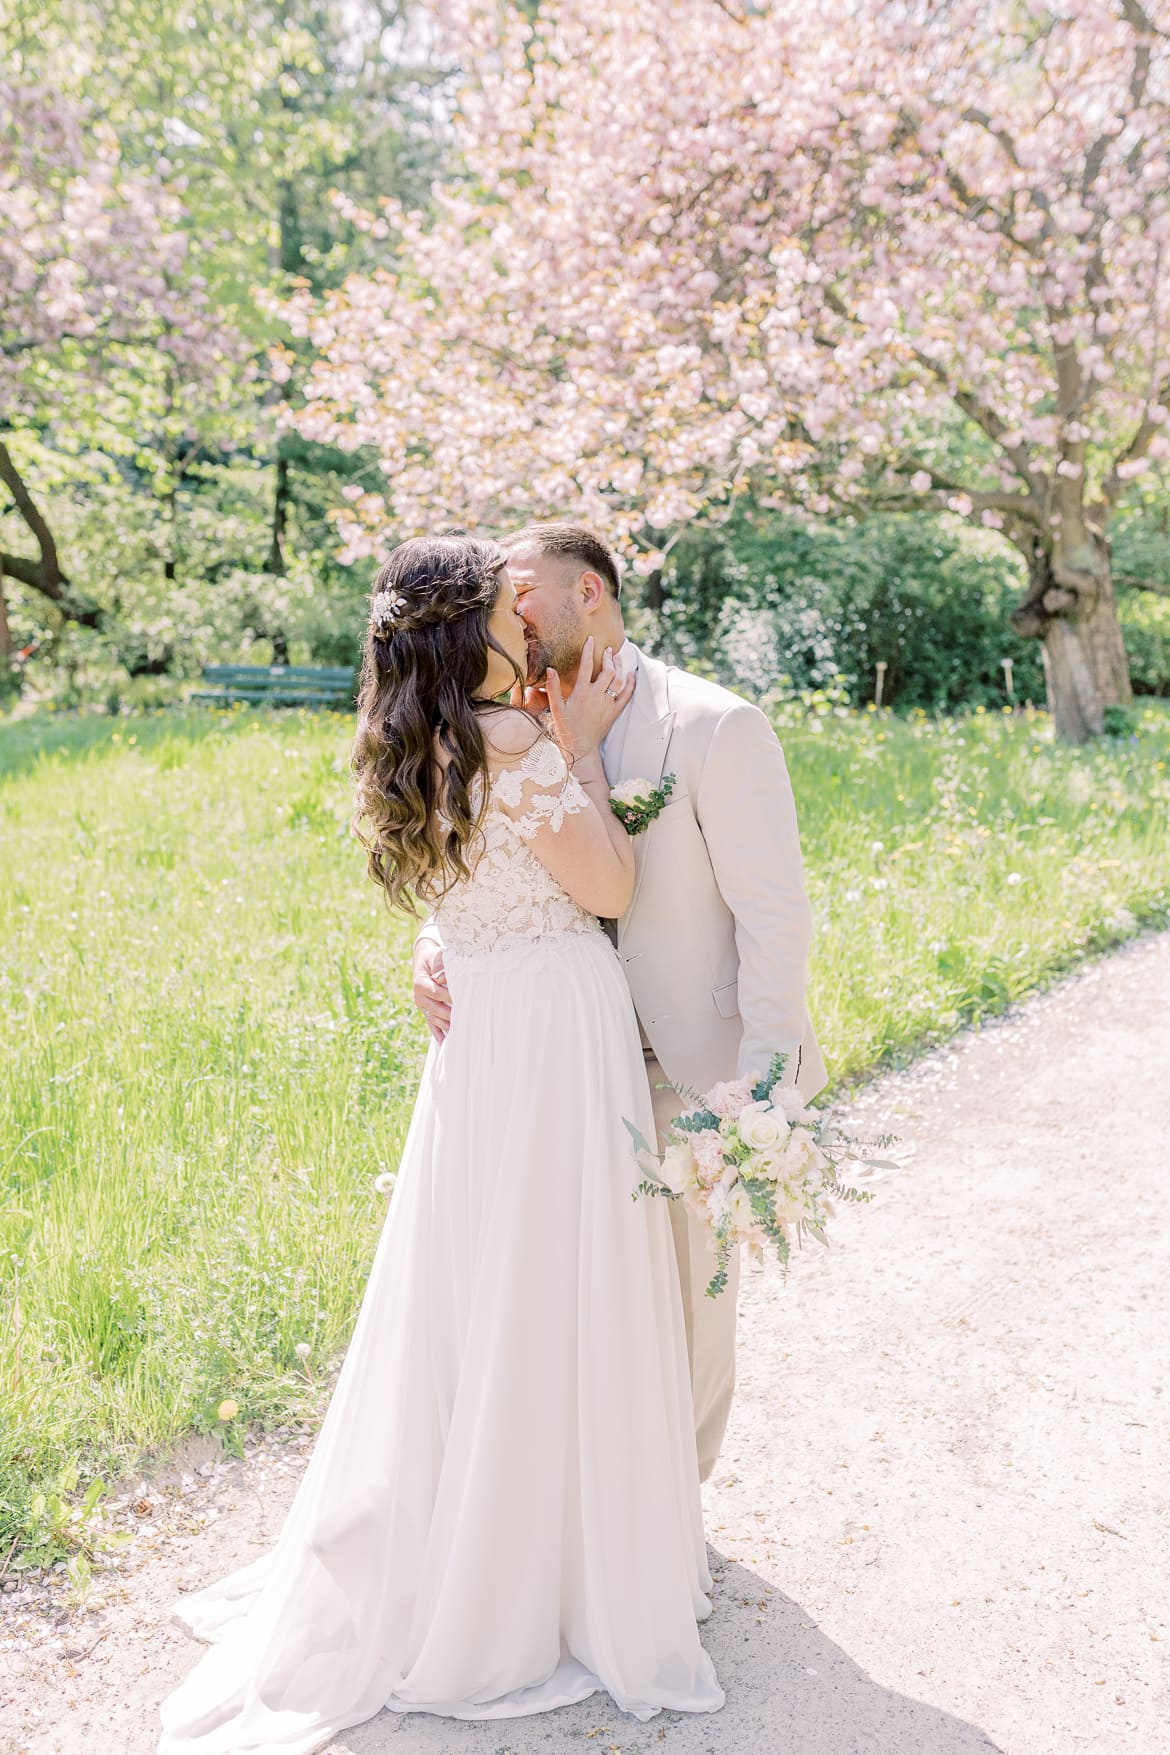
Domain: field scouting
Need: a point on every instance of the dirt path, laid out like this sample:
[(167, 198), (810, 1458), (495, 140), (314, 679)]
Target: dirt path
[(939, 1523)]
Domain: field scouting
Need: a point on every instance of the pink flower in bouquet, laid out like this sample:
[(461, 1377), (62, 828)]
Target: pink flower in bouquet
[(708, 1149), (730, 1098)]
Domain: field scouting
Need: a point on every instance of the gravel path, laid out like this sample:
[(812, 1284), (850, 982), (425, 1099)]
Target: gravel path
[(939, 1523)]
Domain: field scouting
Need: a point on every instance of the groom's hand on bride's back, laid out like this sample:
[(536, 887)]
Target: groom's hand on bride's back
[(431, 993)]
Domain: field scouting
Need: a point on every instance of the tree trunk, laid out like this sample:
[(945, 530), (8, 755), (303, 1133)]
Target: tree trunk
[(171, 526), (290, 260), (6, 641), (1070, 607), (275, 563)]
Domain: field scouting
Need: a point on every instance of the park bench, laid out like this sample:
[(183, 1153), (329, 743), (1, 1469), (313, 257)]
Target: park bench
[(280, 685)]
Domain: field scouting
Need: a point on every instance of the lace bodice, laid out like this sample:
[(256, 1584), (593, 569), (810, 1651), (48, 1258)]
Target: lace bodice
[(510, 898)]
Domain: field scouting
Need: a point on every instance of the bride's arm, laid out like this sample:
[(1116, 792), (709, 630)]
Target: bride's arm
[(564, 816)]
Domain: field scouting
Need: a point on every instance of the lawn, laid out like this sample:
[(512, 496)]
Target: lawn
[(209, 1048)]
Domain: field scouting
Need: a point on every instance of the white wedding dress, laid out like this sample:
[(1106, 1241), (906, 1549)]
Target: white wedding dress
[(501, 1513)]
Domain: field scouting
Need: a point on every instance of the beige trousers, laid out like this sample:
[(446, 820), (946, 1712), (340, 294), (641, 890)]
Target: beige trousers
[(710, 1322)]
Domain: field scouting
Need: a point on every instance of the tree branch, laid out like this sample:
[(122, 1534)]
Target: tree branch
[(51, 577), (1160, 587), (43, 575), (1113, 483)]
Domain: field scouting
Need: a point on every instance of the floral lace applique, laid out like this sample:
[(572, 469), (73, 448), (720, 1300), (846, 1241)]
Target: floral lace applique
[(543, 787), (510, 898)]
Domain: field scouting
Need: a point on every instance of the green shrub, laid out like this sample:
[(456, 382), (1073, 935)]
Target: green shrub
[(766, 597), (1145, 625)]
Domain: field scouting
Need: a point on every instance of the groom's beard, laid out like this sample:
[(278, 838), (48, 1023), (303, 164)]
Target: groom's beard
[(559, 650)]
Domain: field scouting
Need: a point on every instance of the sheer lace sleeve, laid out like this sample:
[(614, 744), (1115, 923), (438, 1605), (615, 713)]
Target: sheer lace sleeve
[(537, 790)]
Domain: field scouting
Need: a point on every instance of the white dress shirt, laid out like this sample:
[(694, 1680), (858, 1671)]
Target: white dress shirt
[(613, 743)]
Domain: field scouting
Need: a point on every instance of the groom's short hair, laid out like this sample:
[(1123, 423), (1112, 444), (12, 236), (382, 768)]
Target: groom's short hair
[(574, 543)]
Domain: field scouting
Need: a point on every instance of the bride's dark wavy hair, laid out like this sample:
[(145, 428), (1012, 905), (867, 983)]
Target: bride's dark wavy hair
[(426, 654)]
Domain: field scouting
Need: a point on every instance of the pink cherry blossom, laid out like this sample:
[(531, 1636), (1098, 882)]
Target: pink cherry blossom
[(816, 239)]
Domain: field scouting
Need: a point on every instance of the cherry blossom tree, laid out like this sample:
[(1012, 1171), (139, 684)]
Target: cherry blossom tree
[(97, 310), (910, 254)]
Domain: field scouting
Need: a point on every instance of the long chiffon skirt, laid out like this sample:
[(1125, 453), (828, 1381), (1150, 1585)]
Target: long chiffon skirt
[(501, 1513)]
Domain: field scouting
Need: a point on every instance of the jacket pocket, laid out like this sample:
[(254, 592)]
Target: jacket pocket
[(727, 999)]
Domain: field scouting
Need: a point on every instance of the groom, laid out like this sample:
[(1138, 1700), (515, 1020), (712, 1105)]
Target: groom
[(715, 940)]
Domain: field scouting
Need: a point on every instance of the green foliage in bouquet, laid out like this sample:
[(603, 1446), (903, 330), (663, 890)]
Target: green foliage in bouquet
[(787, 1171)]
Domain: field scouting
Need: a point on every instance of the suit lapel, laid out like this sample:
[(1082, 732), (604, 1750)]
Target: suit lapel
[(644, 755)]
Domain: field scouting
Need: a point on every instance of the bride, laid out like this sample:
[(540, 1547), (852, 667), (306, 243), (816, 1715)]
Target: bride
[(501, 1513)]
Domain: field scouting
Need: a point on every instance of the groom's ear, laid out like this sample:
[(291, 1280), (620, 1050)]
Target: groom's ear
[(593, 590)]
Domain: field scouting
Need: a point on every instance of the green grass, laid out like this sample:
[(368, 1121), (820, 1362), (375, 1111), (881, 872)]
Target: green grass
[(209, 1049), (956, 865)]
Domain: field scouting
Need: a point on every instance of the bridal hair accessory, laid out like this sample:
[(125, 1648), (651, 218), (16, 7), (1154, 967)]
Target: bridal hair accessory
[(466, 582), (756, 1164), (384, 610)]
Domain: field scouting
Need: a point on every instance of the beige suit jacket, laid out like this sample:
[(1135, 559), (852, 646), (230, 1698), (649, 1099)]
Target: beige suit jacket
[(715, 941)]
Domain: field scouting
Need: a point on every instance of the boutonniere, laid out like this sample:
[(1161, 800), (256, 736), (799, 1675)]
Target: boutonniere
[(635, 803)]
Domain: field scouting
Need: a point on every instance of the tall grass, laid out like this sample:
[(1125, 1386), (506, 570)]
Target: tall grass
[(956, 864), (209, 1050)]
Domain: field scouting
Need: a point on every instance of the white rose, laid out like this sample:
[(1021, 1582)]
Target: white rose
[(678, 1167), (729, 1175), (739, 1207), (802, 1155), (769, 1165), (790, 1209), (760, 1128), (632, 792), (791, 1104)]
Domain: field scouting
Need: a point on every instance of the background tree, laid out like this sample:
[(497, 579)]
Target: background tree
[(913, 256), (92, 286), (239, 119)]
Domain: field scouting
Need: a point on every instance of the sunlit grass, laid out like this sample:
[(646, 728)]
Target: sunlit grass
[(209, 1049), (208, 1056), (955, 865)]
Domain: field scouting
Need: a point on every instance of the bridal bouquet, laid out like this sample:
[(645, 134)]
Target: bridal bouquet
[(755, 1162)]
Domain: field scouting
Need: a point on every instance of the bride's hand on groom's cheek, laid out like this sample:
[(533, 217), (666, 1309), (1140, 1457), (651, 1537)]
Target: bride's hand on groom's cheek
[(582, 716)]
